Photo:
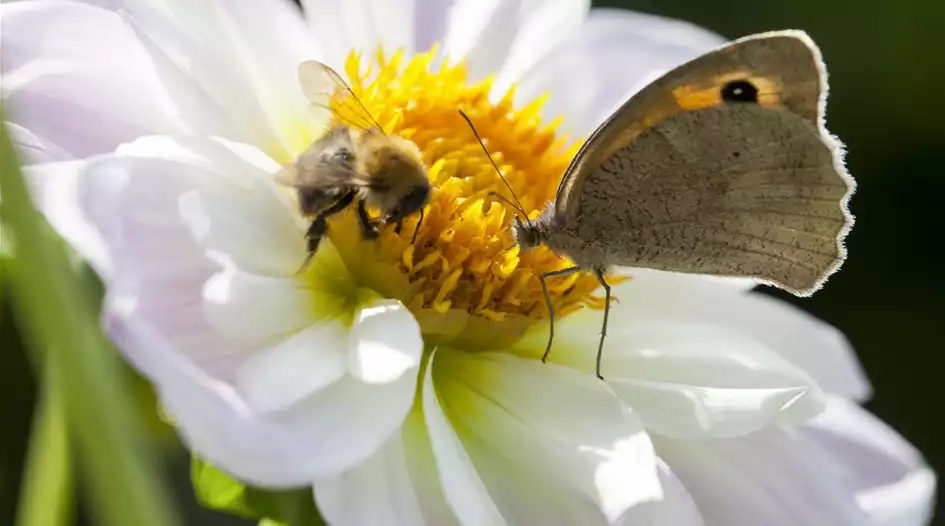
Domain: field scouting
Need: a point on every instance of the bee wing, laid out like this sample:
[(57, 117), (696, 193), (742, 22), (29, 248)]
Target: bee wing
[(322, 175), (325, 89)]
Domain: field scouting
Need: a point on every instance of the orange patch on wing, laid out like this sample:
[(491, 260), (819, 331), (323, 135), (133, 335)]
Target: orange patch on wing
[(695, 97)]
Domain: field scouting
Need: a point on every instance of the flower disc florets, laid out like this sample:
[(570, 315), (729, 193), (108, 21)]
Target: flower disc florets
[(464, 277)]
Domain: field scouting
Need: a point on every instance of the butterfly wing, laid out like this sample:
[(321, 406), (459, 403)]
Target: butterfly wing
[(784, 66), (695, 180)]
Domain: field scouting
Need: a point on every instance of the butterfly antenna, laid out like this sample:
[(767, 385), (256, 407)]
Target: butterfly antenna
[(505, 200), (518, 206)]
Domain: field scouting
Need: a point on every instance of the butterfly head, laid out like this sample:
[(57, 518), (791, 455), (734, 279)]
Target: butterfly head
[(529, 233)]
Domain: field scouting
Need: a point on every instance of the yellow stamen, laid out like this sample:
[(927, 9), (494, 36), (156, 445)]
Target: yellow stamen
[(464, 278)]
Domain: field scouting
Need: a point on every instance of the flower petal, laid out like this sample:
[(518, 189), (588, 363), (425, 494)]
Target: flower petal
[(75, 75), (32, 148), (895, 485), (377, 492), (684, 379), (233, 208), (687, 380), (363, 25), (397, 486), (818, 348), (244, 305), (133, 203), (844, 468), (154, 315), (463, 489), (659, 282), (547, 23), (280, 375), (514, 32), (339, 437), (482, 33), (216, 53), (615, 53), (385, 342), (809, 343), (133, 200), (674, 507), (318, 437), (55, 189), (204, 107), (523, 421), (154, 261), (210, 416)]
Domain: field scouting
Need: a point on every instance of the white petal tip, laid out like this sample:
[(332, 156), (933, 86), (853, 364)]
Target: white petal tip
[(385, 343)]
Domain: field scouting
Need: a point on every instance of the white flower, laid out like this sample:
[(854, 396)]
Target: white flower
[(169, 125)]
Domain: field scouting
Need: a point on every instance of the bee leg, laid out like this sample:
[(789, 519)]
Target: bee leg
[(603, 331), (319, 226), (368, 228), (315, 232), (313, 236), (551, 308)]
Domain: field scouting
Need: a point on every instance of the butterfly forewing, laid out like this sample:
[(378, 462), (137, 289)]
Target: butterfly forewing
[(783, 67)]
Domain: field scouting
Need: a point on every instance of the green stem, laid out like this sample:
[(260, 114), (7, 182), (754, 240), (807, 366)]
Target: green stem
[(117, 464)]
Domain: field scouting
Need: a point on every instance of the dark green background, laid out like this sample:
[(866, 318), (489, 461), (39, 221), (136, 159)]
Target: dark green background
[(887, 66)]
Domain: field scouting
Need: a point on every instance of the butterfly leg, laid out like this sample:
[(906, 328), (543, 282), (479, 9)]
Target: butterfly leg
[(320, 225), (551, 309), (603, 332), (368, 229)]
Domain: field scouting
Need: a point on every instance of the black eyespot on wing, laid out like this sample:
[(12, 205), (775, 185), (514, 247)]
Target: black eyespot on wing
[(740, 91)]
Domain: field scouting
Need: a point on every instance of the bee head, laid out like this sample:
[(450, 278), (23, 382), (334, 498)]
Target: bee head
[(415, 199)]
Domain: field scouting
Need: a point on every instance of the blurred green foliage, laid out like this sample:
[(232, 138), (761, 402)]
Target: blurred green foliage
[(887, 66), (84, 391), (217, 490)]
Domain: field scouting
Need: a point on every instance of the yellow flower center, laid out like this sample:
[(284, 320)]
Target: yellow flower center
[(464, 278)]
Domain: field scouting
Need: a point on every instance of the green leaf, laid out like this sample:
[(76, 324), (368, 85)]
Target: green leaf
[(6, 242), (219, 491), (6, 256), (46, 493)]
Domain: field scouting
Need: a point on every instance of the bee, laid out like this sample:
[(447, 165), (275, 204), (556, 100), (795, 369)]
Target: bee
[(354, 162)]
